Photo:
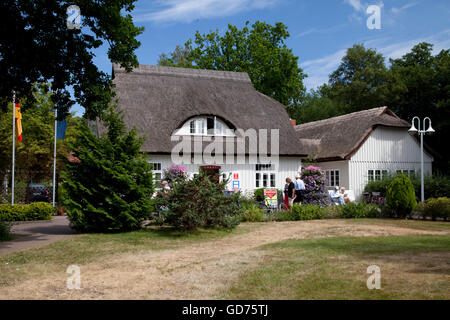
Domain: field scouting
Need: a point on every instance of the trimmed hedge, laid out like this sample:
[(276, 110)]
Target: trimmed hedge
[(435, 208), (357, 210), (302, 212), (436, 186), (26, 212)]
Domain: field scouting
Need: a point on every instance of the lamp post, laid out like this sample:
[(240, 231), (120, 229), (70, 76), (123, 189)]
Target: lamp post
[(421, 131)]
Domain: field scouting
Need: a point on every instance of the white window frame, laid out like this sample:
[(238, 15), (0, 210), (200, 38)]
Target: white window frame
[(157, 171), (265, 176), (199, 126), (328, 177), (376, 177)]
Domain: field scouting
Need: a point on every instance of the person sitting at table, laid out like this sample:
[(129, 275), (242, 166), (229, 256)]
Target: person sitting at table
[(345, 196), (337, 197)]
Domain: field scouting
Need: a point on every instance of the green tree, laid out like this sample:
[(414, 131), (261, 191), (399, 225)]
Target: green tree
[(420, 86), (34, 155), (109, 188), (315, 106), (360, 81), (180, 57), (37, 46), (260, 51)]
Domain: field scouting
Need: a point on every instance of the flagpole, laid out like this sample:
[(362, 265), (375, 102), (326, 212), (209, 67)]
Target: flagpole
[(13, 146), (54, 163)]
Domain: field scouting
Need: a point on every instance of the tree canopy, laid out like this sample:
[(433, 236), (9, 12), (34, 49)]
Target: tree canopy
[(34, 155), (37, 46), (360, 81), (259, 50), (417, 84)]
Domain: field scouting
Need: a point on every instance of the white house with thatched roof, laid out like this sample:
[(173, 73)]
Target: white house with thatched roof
[(359, 147), (205, 119)]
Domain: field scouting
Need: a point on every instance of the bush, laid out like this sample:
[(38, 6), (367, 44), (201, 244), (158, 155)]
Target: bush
[(26, 212), (252, 213), (355, 210), (315, 186), (302, 212), (5, 230), (258, 195), (435, 185), (199, 203), (108, 189), (436, 208), (400, 196)]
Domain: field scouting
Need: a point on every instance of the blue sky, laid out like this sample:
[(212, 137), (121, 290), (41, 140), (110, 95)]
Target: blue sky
[(320, 30)]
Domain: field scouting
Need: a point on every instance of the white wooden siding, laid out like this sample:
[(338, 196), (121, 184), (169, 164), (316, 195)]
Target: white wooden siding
[(288, 167), (386, 149), (342, 166)]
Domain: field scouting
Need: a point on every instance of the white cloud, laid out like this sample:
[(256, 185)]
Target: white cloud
[(356, 4), (318, 70), (190, 10), (406, 6)]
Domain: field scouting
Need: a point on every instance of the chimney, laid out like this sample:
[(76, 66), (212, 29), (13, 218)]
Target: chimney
[(294, 122)]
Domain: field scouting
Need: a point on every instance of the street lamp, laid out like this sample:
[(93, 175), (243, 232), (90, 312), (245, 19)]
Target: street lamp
[(421, 132)]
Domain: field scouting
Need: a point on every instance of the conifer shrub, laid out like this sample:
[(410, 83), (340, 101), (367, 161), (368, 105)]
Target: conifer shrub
[(108, 187), (400, 196)]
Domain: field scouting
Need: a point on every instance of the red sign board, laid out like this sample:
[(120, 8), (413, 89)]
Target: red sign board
[(236, 176), (270, 193)]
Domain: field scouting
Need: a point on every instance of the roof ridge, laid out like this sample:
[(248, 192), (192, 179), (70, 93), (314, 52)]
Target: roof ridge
[(344, 116), (186, 72)]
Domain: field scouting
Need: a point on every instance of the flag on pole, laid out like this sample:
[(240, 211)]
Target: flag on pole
[(18, 123), (61, 129)]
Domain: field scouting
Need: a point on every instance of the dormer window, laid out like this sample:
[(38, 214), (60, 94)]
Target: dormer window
[(207, 125)]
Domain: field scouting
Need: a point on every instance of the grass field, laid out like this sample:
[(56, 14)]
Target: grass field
[(323, 259), (412, 267)]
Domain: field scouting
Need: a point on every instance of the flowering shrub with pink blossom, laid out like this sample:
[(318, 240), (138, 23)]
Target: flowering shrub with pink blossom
[(315, 186), (174, 174)]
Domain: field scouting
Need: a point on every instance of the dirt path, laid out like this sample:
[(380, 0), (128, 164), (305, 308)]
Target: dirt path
[(194, 271)]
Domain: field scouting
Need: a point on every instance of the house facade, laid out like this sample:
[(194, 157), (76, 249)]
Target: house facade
[(360, 147), (209, 120)]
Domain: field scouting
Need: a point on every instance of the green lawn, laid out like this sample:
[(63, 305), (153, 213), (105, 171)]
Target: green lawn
[(412, 267), (403, 223)]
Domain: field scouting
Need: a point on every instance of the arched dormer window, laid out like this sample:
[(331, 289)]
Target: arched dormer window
[(205, 126)]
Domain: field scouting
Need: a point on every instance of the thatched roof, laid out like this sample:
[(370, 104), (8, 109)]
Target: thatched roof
[(340, 137), (159, 100)]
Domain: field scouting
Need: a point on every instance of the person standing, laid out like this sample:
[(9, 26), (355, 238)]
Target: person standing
[(289, 193), (299, 189)]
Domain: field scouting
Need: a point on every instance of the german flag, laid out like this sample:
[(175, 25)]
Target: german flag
[(18, 123)]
